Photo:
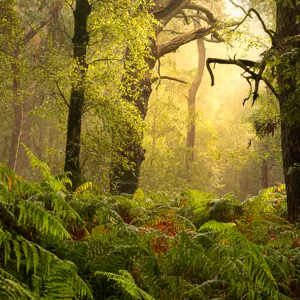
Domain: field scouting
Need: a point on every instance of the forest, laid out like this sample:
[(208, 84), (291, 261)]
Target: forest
[(150, 149)]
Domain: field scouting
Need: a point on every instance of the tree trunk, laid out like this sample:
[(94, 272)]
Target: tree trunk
[(289, 96), (80, 43), (264, 174), (191, 129), (18, 115), (124, 177)]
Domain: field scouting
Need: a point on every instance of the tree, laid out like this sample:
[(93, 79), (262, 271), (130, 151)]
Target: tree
[(19, 38), (191, 131), (282, 62), (96, 84), (124, 178), (80, 42), (287, 48)]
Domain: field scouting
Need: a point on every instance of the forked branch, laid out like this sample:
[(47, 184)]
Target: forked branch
[(252, 71), (248, 13)]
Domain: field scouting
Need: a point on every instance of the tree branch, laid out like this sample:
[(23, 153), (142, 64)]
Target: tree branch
[(182, 39), (269, 32), (211, 19), (247, 66), (105, 60), (34, 31), (171, 78), (62, 94), (167, 13), (243, 63)]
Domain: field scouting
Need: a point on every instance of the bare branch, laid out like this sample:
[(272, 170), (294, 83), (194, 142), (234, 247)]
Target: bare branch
[(106, 60), (247, 66), (173, 79), (257, 80), (167, 13), (211, 19), (182, 39), (62, 94), (34, 31), (239, 6), (269, 32), (250, 89), (243, 63)]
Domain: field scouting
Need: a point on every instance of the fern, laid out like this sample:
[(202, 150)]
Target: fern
[(83, 187), (12, 289), (125, 281), (56, 184), (42, 210), (35, 215)]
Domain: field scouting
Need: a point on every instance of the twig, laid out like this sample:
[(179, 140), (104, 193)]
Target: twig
[(105, 59), (269, 32), (173, 79), (62, 94)]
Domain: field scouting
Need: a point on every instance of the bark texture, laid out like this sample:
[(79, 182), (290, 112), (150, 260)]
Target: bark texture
[(191, 130), (124, 177), (80, 43), (18, 115), (264, 174), (289, 97)]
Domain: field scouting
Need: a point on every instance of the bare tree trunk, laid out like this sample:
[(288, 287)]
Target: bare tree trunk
[(154, 138), (288, 70), (264, 174), (80, 43), (18, 105), (18, 115), (191, 128)]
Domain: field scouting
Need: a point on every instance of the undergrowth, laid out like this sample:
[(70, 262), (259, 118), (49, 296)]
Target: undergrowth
[(55, 244)]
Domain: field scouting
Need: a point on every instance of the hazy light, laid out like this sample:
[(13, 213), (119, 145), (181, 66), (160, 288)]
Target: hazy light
[(234, 11)]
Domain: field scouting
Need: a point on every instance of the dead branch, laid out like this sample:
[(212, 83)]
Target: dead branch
[(173, 79), (211, 19), (248, 67), (182, 39), (269, 32), (62, 94)]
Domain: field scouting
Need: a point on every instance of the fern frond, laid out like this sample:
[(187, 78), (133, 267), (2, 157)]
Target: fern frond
[(32, 213), (37, 163), (83, 187), (125, 281), (12, 289), (56, 184), (58, 275), (62, 209), (64, 281)]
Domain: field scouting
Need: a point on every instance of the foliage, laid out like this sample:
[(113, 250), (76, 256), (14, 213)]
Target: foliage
[(202, 243), (33, 215), (146, 246)]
